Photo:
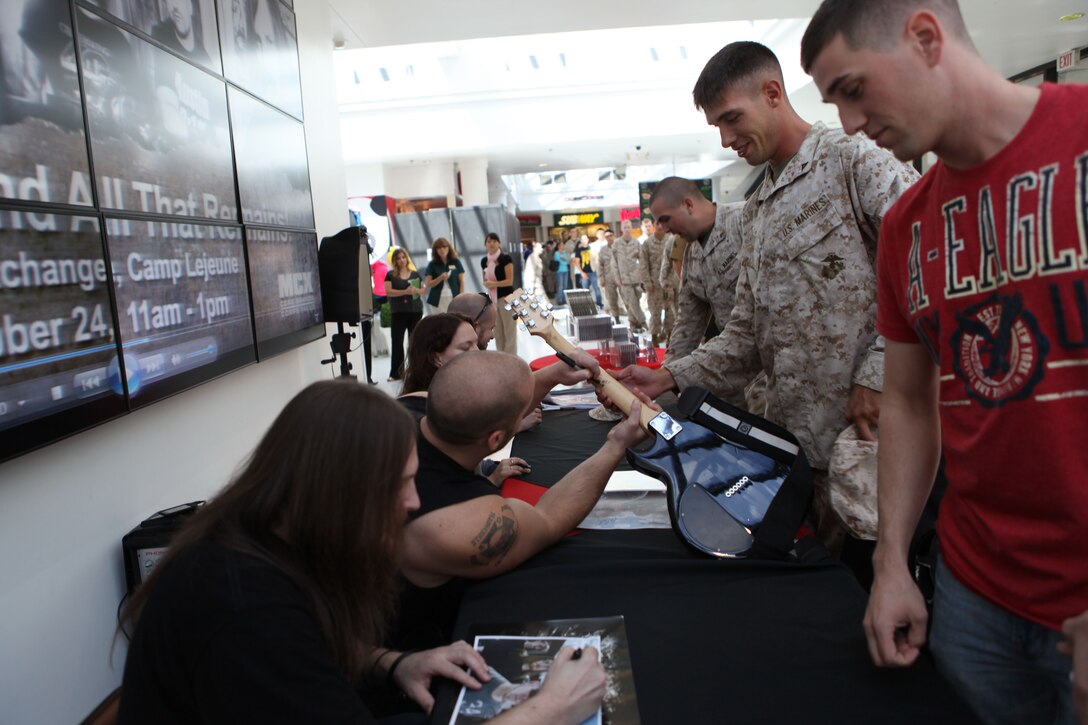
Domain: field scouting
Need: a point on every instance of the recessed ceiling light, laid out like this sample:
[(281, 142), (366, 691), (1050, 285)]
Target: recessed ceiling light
[(1072, 16)]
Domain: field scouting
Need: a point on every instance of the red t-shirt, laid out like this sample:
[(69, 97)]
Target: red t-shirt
[(988, 267)]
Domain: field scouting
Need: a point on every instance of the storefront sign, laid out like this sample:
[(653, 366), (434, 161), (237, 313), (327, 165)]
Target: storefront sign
[(578, 218)]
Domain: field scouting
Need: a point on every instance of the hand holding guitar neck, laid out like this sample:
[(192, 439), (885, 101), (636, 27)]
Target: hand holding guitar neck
[(537, 318)]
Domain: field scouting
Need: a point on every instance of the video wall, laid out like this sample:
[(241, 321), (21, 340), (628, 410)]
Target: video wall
[(156, 220)]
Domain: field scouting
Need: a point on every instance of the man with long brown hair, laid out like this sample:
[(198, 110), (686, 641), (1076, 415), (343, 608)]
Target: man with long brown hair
[(271, 600)]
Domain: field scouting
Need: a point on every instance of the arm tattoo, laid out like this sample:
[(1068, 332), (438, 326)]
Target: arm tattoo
[(496, 538)]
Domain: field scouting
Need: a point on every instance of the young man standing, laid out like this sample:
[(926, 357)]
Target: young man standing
[(805, 306), (625, 253), (650, 254), (983, 300)]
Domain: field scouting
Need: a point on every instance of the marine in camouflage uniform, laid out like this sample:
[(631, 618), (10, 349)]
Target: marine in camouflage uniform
[(625, 252), (650, 254), (805, 307), (709, 283), (671, 262), (606, 275)]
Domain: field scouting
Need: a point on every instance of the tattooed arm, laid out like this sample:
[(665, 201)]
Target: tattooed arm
[(489, 535)]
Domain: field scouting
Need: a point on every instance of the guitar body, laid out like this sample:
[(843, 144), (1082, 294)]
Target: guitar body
[(718, 491)]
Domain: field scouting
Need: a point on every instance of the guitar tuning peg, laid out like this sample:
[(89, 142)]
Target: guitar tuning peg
[(508, 306), (516, 317), (530, 324), (525, 314), (524, 296), (545, 314), (533, 306)]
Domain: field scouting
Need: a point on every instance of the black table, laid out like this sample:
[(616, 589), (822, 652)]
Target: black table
[(711, 641)]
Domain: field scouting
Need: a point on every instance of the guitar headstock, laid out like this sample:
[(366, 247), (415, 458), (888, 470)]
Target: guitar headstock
[(532, 311)]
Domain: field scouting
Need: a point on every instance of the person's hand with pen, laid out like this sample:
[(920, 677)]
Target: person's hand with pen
[(572, 691)]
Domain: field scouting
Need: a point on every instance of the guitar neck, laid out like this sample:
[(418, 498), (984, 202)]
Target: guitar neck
[(615, 390)]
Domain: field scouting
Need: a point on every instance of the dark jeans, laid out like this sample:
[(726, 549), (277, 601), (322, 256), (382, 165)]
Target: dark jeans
[(1006, 668), (400, 323)]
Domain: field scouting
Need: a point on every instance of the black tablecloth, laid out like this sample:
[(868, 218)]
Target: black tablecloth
[(711, 641)]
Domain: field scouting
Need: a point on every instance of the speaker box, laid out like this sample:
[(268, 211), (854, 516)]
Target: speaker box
[(344, 266)]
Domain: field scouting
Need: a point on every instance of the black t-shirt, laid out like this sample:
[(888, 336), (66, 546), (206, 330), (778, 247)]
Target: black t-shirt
[(226, 637), (427, 615), (403, 303), (583, 255)]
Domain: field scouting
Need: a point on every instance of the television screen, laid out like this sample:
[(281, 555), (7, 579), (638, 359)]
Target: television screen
[(186, 27), (260, 51), (43, 149), (182, 303), (273, 175), (57, 341), (160, 139), (286, 291)]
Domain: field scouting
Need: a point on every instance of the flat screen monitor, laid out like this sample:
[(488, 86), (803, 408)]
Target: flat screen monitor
[(57, 342), (160, 139), (43, 146), (182, 304), (273, 174), (186, 27), (260, 51), (286, 289)]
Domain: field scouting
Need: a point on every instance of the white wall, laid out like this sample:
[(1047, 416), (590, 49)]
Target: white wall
[(64, 509), (410, 181), (365, 180)]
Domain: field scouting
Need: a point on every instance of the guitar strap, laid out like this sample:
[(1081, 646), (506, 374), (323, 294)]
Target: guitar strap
[(774, 537)]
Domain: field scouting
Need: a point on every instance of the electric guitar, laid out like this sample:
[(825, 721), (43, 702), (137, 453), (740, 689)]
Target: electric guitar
[(718, 490)]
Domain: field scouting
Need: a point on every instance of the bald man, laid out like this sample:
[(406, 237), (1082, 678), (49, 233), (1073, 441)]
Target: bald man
[(464, 529), (478, 308)]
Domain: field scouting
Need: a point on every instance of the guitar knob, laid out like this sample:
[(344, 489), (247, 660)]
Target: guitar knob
[(516, 316)]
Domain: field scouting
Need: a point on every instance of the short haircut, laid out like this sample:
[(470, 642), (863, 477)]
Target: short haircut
[(872, 24), (476, 393), (672, 189), (734, 65), (469, 304)]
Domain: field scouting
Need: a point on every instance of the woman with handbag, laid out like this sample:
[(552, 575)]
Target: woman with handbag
[(403, 287)]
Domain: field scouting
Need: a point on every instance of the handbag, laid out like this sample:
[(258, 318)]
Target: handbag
[(385, 318), (553, 265)]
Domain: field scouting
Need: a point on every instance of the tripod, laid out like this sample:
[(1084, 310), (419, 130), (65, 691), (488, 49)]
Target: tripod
[(341, 345)]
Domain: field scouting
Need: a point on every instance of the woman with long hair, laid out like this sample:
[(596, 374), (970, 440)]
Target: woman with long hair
[(498, 267), (402, 287), (445, 276), (436, 339), (271, 600)]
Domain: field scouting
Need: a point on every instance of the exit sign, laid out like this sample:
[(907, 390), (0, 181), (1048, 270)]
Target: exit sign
[(1067, 60)]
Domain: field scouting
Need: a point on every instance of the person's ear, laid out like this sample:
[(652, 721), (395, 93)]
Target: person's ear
[(772, 91), (496, 439), (923, 32)]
